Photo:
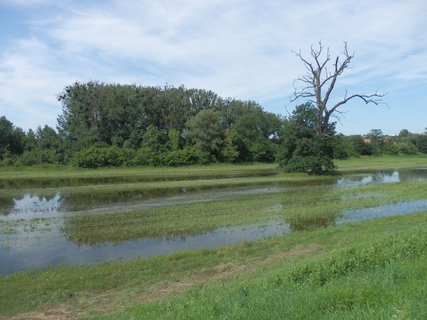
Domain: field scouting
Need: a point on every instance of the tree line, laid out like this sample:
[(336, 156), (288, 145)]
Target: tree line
[(114, 125)]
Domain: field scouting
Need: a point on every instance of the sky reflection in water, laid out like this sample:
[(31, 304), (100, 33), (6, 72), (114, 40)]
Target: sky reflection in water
[(43, 244)]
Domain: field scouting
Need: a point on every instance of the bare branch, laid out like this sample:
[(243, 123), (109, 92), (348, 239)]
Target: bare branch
[(374, 98), (318, 76)]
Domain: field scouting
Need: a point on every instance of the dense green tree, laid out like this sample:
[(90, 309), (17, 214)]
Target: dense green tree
[(356, 146), (174, 140), (230, 151), (376, 140), (421, 143), (43, 146), (154, 139), (302, 150), (12, 139), (205, 133)]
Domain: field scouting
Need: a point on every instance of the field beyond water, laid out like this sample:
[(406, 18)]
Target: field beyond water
[(224, 242)]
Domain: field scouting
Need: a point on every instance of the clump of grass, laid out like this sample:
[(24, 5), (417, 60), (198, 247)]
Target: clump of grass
[(381, 281), (378, 254), (306, 219)]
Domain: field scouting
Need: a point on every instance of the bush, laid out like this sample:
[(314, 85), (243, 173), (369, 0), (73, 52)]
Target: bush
[(39, 156), (311, 155), (405, 148), (421, 142), (263, 150), (184, 157), (95, 157), (145, 156)]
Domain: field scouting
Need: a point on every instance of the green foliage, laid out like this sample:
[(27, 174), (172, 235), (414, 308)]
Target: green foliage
[(230, 151), (174, 140), (397, 148), (421, 143), (356, 146), (164, 119), (340, 148), (145, 156), (205, 133), (377, 141), (184, 157), (263, 150), (302, 150), (377, 255), (95, 157), (153, 139), (11, 139), (39, 156)]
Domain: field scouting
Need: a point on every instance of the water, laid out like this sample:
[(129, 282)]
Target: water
[(32, 204), (385, 176), (41, 243), (51, 249), (389, 210)]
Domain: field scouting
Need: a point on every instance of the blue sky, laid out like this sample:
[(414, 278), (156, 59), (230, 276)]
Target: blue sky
[(241, 49)]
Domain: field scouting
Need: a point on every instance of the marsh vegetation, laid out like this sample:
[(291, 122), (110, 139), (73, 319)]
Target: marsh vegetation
[(80, 234)]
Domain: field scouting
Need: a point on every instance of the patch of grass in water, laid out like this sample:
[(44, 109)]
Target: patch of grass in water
[(171, 221)]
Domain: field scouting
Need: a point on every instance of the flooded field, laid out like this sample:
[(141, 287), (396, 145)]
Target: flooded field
[(39, 226)]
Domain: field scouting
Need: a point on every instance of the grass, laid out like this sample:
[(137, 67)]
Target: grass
[(386, 279), (251, 280), (382, 162), (302, 208), (110, 285), (46, 172)]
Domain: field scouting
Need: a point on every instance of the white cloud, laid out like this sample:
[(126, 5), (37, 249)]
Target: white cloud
[(236, 48)]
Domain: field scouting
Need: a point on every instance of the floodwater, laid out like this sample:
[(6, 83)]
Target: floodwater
[(52, 248), (37, 240)]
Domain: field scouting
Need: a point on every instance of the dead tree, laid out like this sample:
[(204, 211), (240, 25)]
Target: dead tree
[(319, 82)]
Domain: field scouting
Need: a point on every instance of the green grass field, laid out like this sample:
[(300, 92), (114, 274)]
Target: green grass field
[(369, 270)]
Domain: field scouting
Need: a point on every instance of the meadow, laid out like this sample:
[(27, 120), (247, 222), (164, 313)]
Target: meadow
[(373, 268)]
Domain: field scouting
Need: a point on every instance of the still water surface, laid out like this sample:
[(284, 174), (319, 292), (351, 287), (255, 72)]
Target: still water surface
[(43, 244)]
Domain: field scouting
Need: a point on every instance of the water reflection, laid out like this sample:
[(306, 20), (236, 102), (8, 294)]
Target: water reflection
[(53, 248), (32, 206), (35, 206), (379, 177), (389, 210), (42, 243), (385, 176)]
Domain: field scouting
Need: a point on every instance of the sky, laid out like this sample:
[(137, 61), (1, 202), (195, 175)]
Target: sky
[(243, 49)]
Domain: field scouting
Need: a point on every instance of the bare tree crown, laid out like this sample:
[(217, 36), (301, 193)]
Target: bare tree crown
[(319, 82)]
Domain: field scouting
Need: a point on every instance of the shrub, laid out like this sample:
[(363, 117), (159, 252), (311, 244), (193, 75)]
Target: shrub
[(263, 150), (421, 142), (145, 156), (311, 155), (95, 157), (184, 157), (39, 156), (406, 148)]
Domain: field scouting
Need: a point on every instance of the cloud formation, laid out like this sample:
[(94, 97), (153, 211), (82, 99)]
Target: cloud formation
[(240, 49)]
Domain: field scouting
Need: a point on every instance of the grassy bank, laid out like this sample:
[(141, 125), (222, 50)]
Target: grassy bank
[(382, 162), (278, 277), (107, 286), (58, 172), (143, 173), (382, 280)]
